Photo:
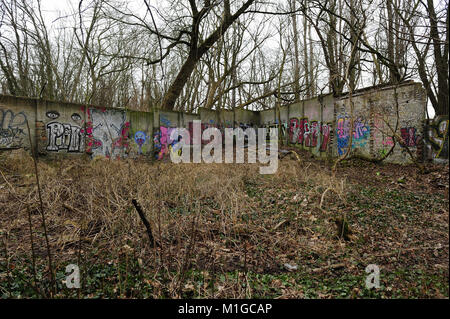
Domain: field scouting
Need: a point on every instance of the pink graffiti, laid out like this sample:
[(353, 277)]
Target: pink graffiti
[(89, 137), (343, 128), (313, 134), (163, 140), (360, 128), (121, 142), (409, 136), (299, 131), (387, 141), (304, 132), (325, 131)]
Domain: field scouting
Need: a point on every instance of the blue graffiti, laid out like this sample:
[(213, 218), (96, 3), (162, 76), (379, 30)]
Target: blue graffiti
[(140, 138), (165, 121), (361, 133)]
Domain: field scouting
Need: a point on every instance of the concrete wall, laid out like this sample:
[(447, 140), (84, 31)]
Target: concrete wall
[(320, 125), (60, 128), (15, 112), (377, 113)]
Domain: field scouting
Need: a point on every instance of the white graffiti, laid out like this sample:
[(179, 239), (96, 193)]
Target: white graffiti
[(12, 126), (109, 133), (63, 136)]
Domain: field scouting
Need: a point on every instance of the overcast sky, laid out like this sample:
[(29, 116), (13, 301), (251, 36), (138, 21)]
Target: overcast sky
[(53, 9)]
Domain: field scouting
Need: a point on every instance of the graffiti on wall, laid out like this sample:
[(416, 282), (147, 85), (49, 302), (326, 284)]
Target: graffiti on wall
[(325, 130), (278, 128), (360, 134), (297, 130), (309, 134), (63, 136), (203, 127), (164, 120), (409, 136), (163, 144), (52, 115), (12, 128), (76, 117), (437, 137), (141, 139), (107, 133), (158, 146)]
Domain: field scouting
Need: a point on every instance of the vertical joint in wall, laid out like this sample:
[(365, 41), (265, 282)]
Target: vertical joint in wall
[(372, 131), (333, 145), (40, 138)]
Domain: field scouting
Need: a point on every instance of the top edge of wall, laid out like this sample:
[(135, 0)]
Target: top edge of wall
[(323, 96), (377, 88), (225, 110), (359, 92), (10, 97), (157, 109), (366, 90)]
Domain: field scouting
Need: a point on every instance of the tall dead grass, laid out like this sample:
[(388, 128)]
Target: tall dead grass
[(211, 217)]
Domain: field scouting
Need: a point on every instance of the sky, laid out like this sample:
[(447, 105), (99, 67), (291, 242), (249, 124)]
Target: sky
[(52, 10)]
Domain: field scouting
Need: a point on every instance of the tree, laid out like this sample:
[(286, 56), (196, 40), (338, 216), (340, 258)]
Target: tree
[(196, 48)]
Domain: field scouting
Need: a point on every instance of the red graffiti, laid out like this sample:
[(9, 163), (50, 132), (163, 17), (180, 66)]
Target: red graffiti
[(299, 131), (409, 136), (121, 142), (305, 133), (325, 132), (309, 134)]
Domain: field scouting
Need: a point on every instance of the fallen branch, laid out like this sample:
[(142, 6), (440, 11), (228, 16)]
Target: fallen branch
[(323, 196), (153, 242)]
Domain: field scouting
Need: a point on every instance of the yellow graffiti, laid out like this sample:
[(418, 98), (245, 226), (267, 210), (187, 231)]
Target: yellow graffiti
[(444, 136)]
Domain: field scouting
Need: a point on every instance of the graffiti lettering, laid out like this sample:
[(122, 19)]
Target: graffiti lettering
[(325, 132), (64, 137), (409, 136), (312, 134), (437, 137), (107, 132), (361, 133), (164, 144), (12, 126)]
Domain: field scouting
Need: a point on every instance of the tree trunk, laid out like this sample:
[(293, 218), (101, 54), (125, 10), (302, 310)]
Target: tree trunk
[(196, 53)]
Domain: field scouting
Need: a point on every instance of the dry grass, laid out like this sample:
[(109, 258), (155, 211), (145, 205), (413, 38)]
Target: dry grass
[(220, 227)]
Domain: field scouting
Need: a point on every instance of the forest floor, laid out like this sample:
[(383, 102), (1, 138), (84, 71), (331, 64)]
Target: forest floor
[(223, 230)]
